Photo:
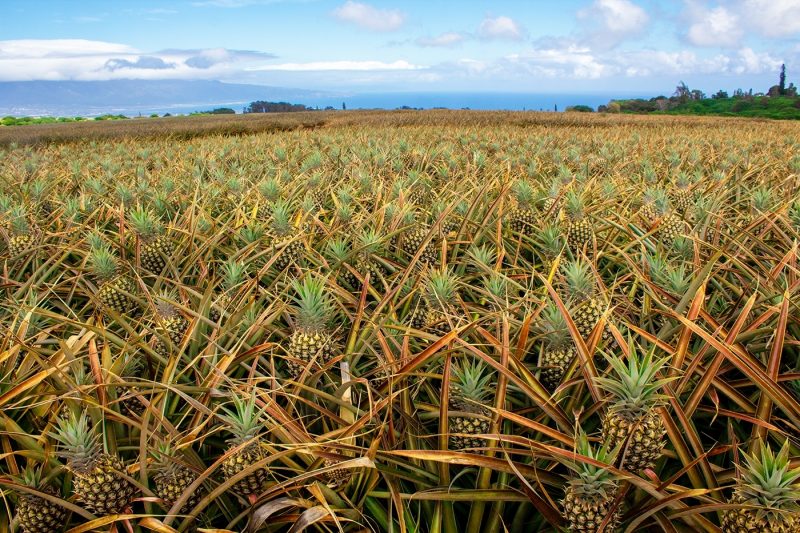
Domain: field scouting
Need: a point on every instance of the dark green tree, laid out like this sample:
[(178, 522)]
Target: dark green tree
[(782, 80)]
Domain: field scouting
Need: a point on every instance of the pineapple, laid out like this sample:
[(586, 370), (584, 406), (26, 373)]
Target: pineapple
[(172, 478), (311, 340), (558, 350), (438, 304), (36, 514), (233, 273), (243, 422), (580, 232), (470, 386), (170, 323), (632, 421), (580, 292), (648, 211), (550, 244), (114, 289), (589, 495), (370, 245), (522, 219), (768, 490), (156, 248), (553, 199), (21, 239), (681, 195), (288, 248), (338, 252), (761, 204), (100, 482), (412, 242), (338, 477)]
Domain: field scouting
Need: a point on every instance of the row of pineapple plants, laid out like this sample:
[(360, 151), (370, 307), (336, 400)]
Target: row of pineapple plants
[(242, 334)]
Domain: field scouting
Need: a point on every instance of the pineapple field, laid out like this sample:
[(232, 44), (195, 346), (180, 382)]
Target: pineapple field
[(402, 322)]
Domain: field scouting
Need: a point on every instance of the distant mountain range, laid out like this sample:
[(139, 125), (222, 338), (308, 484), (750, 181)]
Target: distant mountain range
[(129, 97)]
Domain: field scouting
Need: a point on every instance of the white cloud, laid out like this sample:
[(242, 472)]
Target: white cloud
[(751, 62), (718, 27), (501, 28), (773, 18), (339, 65), (443, 40), (81, 60), (370, 17), (725, 24), (609, 22)]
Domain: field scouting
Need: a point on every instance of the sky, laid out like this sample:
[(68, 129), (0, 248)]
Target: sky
[(568, 46)]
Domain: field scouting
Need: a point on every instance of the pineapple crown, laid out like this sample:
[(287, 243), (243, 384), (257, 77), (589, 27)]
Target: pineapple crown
[(482, 255), (281, 222), (95, 240), (244, 419), (344, 212), (762, 199), (19, 220), (313, 306), (164, 305), (564, 174), (554, 327), (103, 262), (683, 181), (593, 482), (523, 192), (252, 232), (496, 286), (580, 283), (551, 239), (769, 483), (441, 286), (338, 249), (470, 380), (144, 223), (270, 189), (635, 387), (574, 203), (233, 272), (78, 441), (370, 240)]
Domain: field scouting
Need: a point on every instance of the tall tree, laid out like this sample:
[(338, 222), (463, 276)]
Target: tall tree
[(782, 80)]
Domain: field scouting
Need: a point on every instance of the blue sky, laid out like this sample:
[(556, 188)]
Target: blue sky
[(376, 45)]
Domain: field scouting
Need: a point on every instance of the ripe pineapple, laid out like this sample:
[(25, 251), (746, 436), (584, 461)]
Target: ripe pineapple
[(681, 195), (580, 292), (768, 490), (580, 232), (155, 247), (311, 340), (114, 289), (632, 421), (553, 199), (244, 422), (648, 211), (36, 514), (170, 323), (470, 385), (21, 238), (100, 482), (233, 273), (172, 478), (558, 350), (522, 219), (338, 477), (288, 248), (589, 495), (412, 241)]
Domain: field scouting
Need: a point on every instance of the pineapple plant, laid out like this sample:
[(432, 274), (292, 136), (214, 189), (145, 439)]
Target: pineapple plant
[(580, 232), (100, 482), (115, 289), (632, 421), (21, 238), (339, 253), (369, 247), (767, 493), (681, 195), (589, 496), (558, 350), (170, 323), (437, 306), (286, 246), (550, 244), (522, 219), (312, 339), (579, 290), (469, 388), (155, 247), (413, 241), (245, 448), (172, 478), (761, 205), (36, 514), (233, 274)]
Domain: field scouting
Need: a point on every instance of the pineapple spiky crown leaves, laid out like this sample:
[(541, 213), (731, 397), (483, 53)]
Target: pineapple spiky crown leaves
[(369, 240), (145, 223), (579, 280), (165, 303), (482, 256), (440, 287), (554, 327), (574, 203), (551, 239), (78, 442), (523, 193), (103, 262), (270, 189), (233, 273), (338, 249), (762, 199), (593, 482), (20, 225), (471, 380), (768, 482), (281, 221), (497, 288), (313, 307), (252, 232), (244, 419), (634, 388)]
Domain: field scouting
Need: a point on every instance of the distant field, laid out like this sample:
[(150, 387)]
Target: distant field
[(409, 321)]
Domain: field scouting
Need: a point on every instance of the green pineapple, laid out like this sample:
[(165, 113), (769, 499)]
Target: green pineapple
[(311, 340), (550, 244), (768, 490), (412, 242), (100, 481), (580, 232), (632, 420), (369, 248), (580, 292), (438, 305), (470, 386), (36, 514), (114, 289), (669, 225), (590, 493), (338, 252), (559, 351), (170, 323), (243, 421), (522, 219), (649, 210), (172, 478), (21, 238), (289, 250), (233, 274), (681, 195), (155, 247)]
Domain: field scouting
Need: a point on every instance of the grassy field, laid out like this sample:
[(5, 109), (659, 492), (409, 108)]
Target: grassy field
[(431, 321)]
